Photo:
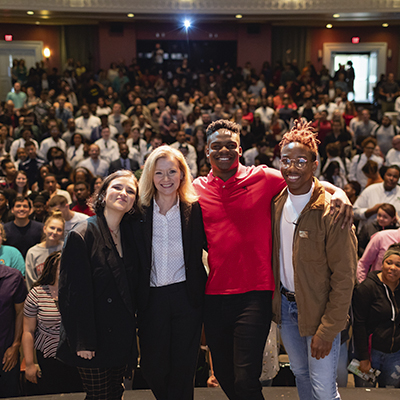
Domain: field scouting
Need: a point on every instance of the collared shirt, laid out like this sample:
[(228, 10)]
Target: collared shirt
[(375, 194), (48, 143), (356, 166), (117, 120), (393, 157), (168, 263), (266, 114), (98, 167), (191, 158), (125, 163), (84, 126), (237, 222), (109, 150)]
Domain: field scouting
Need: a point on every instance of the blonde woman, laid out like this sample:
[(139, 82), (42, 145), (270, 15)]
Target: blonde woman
[(53, 234), (172, 276)]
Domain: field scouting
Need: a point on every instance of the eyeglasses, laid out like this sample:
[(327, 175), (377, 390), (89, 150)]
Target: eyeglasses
[(299, 163)]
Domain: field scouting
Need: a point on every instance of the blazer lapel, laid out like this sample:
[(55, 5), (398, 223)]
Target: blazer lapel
[(147, 230), (186, 210), (116, 265)]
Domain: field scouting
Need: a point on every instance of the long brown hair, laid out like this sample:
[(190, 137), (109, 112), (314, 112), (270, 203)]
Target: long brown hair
[(49, 273)]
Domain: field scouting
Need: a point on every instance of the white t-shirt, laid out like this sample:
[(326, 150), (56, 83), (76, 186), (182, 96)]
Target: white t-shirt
[(291, 210), (78, 217)]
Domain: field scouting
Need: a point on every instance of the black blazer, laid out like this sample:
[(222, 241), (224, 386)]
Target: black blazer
[(116, 165), (96, 296), (193, 239)]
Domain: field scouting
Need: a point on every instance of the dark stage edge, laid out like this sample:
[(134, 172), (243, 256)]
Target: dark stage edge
[(287, 393)]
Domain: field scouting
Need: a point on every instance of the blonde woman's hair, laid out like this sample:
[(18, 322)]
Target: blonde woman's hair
[(54, 215), (147, 189)]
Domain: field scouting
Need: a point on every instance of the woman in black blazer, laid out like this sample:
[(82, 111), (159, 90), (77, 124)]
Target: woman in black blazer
[(170, 236), (98, 279)]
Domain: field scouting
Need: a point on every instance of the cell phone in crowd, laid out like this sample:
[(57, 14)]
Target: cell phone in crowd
[(370, 376)]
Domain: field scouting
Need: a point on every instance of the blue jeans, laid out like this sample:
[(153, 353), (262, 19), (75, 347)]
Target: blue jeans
[(315, 379), (388, 364)]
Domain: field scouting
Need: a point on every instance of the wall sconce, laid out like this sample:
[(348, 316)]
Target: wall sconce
[(319, 55), (47, 53), (389, 54)]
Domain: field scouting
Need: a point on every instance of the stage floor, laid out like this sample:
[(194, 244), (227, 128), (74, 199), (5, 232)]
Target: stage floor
[(286, 393)]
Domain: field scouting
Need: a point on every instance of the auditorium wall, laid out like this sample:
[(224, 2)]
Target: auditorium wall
[(390, 35), (252, 44)]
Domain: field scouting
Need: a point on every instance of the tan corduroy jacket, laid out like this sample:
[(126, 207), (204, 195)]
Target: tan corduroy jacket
[(324, 262)]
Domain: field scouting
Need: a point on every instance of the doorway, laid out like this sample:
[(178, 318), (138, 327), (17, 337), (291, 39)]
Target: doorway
[(30, 51), (377, 53), (366, 75)]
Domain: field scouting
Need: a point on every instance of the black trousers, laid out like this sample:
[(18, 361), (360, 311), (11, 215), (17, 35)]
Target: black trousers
[(236, 328), (169, 338)]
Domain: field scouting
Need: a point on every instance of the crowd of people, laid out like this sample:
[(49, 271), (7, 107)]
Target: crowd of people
[(101, 223)]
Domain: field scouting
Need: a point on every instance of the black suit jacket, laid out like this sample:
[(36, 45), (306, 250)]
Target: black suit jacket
[(193, 239), (117, 165), (97, 296)]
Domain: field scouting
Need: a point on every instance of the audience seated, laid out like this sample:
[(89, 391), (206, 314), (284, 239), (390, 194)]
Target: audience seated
[(82, 195), (53, 230), (367, 204), (71, 218), (124, 161), (94, 163), (386, 218), (359, 160), (9, 255), (22, 233), (89, 125), (393, 155)]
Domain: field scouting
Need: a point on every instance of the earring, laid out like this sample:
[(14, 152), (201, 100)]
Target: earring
[(131, 211)]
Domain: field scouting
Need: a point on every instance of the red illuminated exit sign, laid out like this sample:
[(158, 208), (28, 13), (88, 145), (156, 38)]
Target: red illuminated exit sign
[(8, 38), (355, 40)]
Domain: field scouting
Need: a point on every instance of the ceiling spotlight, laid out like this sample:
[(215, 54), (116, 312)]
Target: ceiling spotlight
[(130, 15), (385, 25), (329, 26), (336, 15), (187, 24), (238, 16), (30, 12)]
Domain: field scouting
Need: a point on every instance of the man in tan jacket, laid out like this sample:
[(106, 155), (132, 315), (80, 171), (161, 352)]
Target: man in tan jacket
[(314, 263)]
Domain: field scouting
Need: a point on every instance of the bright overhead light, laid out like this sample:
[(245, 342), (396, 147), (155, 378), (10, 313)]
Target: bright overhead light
[(329, 26), (46, 52), (238, 16), (187, 24), (385, 25), (336, 15), (30, 12), (130, 15)]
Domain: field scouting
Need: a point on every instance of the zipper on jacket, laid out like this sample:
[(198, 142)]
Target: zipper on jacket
[(393, 316)]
